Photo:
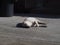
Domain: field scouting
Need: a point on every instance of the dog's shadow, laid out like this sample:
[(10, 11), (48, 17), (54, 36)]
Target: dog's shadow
[(19, 25)]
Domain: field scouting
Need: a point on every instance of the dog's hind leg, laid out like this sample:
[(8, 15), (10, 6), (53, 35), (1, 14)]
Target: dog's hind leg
[(36, 24), (41, 22)]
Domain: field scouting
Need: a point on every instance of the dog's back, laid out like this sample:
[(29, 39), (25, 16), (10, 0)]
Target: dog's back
[(31, 19)]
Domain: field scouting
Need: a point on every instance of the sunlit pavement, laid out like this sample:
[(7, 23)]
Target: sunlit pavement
[(12, 35)]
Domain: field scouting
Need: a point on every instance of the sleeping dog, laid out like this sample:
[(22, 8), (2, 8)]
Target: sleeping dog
[(32, 22)]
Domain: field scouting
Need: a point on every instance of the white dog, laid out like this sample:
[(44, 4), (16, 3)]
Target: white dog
[(31, 21)]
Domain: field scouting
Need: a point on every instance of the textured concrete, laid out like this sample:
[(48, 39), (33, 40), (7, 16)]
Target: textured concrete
[(11, 35)]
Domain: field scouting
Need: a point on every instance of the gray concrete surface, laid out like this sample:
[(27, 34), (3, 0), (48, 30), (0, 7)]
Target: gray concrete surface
[(11, 35)]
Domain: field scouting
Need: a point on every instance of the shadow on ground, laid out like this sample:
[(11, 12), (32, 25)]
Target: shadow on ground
[(19, 25), (38, 15)]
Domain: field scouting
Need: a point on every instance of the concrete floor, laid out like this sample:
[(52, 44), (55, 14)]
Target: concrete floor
[(11, 35)]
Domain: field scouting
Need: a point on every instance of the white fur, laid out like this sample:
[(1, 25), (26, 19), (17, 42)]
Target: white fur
[(31, 21)]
